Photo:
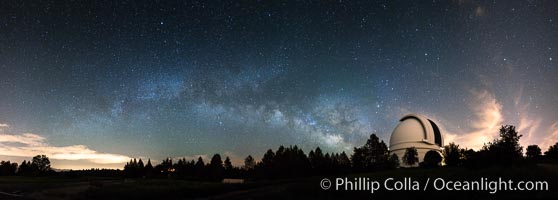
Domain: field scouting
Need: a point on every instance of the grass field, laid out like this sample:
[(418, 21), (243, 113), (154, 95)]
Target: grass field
[(304, 188)]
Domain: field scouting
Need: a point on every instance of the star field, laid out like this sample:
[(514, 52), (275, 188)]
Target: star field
[(172, 79)]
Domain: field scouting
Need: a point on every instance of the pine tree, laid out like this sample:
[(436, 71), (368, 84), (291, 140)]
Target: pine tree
[(249, 163), (148, 169), (227, 164), (374, 154), (199, 168), (200, 162), (140, 164)]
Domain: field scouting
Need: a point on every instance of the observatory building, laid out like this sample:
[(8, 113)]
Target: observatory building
[(416, 131)]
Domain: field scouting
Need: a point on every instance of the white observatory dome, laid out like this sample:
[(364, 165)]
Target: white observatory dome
[(415, 131)]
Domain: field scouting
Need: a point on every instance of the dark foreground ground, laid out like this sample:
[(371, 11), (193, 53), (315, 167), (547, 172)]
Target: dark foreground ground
[(304, 188)]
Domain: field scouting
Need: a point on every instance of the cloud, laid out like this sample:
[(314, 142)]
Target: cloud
[(486, 122), (3, 126), (551, 138), (528, 127), (488, 112), (29, 145), (26, 139), (488, 119)]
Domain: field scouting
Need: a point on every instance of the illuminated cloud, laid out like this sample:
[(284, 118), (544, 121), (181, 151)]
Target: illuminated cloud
[(488, 112), (486, 123), (529, 127), (29, 145), (489, 118), (551, 138), (3, 127), (26, 139)]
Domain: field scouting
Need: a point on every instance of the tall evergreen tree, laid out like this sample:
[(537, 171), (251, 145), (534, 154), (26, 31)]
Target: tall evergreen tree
[(268, 159), (373, 155), (148, 170), (216, 161), (216, 167), (344, 162), (227, 164), (317, 160), (140, 164), (249, 163), (199, 168), (200, 162)]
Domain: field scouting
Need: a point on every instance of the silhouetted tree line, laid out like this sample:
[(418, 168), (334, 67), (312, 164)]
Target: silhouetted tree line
[(328, 163), (7, 168), (285, 162), (289, 162), (216, 169), (503, 151), (40, 165), (373, 155), (93, 172)]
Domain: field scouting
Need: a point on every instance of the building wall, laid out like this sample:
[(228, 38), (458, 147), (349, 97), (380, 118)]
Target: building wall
[(422, 148)]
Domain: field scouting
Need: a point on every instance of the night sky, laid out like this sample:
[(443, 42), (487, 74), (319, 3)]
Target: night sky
[(94, 83)]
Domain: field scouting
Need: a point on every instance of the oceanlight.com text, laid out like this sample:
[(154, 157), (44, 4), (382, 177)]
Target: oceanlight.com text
[(491, 186)]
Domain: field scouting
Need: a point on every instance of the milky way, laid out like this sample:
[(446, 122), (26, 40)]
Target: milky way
[(110, 80)]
